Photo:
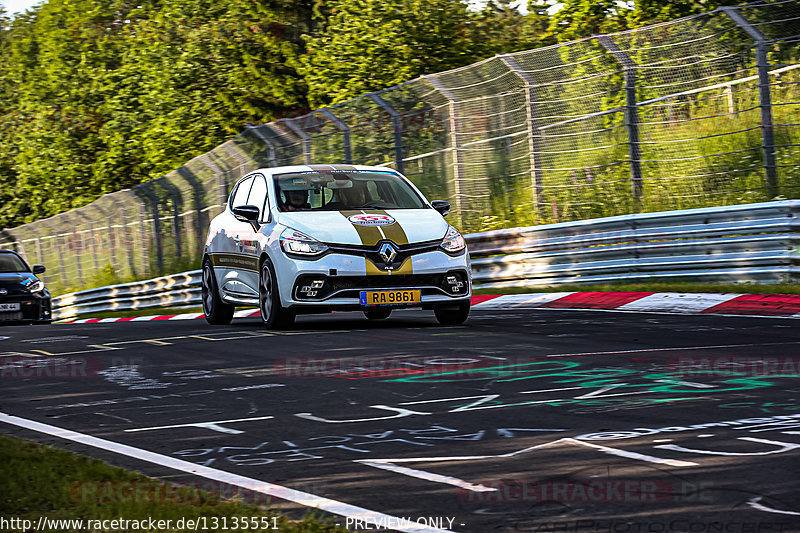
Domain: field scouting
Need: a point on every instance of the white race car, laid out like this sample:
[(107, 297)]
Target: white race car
[(317, 238)]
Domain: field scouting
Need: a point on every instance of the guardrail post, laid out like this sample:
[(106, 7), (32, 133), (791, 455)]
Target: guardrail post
[(533, 127), (764, 97), (271, 160), (631, 117), (345, 129), (306, 139), (458, 164), (397, 128)]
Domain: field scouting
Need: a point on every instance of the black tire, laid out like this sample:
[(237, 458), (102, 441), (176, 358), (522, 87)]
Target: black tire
[(452, 315), (217, 312), (377, 314), (273, 314)]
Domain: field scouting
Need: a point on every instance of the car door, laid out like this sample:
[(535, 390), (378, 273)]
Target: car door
[(241, 263), (248, 243)]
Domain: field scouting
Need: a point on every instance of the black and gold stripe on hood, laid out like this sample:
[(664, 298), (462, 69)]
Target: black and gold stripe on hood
[(372, 235)]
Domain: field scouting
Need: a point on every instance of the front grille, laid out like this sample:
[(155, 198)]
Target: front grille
[(372, 253), (6, 316)]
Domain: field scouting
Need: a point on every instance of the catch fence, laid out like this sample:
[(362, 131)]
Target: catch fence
[(698, 112)]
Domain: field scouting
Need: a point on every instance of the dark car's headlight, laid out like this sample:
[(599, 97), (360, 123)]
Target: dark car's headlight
[(453, 241), (298, 243), (36, 286)]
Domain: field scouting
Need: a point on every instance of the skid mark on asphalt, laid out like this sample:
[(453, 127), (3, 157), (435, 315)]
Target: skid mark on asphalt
[(263, 487)]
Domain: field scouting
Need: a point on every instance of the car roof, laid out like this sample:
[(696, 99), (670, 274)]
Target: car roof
[(311, 168)]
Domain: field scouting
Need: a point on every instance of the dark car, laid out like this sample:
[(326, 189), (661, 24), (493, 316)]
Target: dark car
[(23, 296)]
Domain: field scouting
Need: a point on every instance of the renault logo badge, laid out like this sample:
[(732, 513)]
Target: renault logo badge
[(387, 253)]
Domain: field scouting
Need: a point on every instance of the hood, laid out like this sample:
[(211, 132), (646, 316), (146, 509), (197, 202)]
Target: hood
[(334, 227), (15, 281)]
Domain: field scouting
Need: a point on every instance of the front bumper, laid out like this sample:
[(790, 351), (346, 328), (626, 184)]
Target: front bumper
[(441, 279), (33, 308)]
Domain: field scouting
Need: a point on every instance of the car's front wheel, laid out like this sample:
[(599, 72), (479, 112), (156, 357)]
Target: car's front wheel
[(273, 314), (452, 315), (217, 312), (377, 314)]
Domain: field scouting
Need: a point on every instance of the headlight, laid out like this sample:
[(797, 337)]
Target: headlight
[(453, 242), (36, 286), (297, 242)]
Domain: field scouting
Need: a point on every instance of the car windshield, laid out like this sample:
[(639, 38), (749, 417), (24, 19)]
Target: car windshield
[(344, 190), (12, 263)]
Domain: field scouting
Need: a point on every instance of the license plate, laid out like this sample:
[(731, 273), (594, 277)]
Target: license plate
[(403, 297), (9, 307)]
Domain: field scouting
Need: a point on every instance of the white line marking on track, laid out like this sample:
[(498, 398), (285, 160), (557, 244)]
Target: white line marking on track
[(754, 503), (263, 487), (214, 426), (393, 466), (633, 455)]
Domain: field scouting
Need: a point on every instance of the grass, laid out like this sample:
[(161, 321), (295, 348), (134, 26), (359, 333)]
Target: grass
[(675, 286), (42, 481)]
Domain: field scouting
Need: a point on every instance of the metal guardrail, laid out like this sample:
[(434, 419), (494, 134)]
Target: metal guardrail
[(743, 243)]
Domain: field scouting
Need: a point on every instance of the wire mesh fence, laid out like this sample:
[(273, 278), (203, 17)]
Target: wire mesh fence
[(697, 112)]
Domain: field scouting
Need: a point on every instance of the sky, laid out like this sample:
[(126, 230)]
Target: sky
[(16, 6)]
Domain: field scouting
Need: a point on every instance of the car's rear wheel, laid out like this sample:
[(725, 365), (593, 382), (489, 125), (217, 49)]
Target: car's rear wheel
[(217, 312), (273, 314), (377, 314), (452, 315)]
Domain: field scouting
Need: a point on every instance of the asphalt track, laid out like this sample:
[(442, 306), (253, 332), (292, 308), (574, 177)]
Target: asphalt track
[(534, 420)]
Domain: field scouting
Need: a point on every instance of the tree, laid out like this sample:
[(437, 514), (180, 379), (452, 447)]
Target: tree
[(367, 45)]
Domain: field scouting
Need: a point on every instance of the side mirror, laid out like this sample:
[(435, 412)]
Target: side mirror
[(39, 269), (441, 206), (246, 213)]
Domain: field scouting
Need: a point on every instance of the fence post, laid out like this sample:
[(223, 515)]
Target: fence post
[(153, 199), (303, 136), (243, 159), (397, 127), (271, 160), (177, 204), (93, 242), (458, 165), (533, 126), (112, 245), (345, 129), (631, 117), (221, 188), (198, 204), (764, 97)]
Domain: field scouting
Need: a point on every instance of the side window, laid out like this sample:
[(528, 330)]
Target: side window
[(258, 195), (240, 195)]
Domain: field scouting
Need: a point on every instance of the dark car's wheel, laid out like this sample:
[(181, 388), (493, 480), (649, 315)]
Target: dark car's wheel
[(452, 315), (377, 314), (217, 312), (273, 314)]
